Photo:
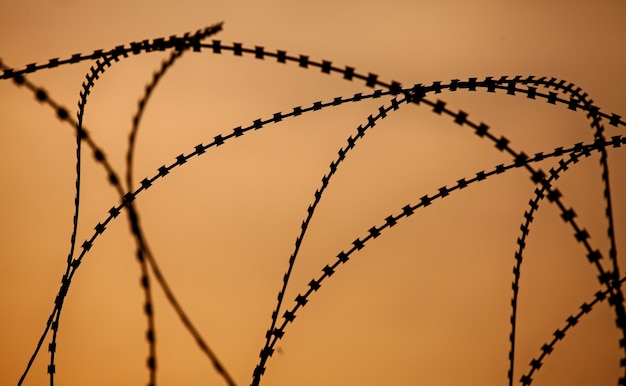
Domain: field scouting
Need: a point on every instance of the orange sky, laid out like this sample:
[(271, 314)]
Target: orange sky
[(426, 302)]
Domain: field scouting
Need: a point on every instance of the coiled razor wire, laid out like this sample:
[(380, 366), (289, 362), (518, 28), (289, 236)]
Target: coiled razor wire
[(556, 92)]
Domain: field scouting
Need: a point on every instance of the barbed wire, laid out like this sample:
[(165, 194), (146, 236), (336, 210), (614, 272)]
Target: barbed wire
[(572, 98), (375, 231), (143, 251)]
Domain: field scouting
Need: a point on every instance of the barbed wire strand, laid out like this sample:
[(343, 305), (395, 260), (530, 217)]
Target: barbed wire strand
[(540, 193), (371, 122), (372, 80), (100, 157), (596, 125), (329, 269), (138, 232), (532, 94), (113, 180), (41, 95), (326, 67), (568, 88), (572, 320), (93, 74), (147, 182), (182, 159), (186, 40)]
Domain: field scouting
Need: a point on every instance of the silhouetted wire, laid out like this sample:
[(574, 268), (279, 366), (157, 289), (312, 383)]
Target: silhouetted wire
[(143, 252), (471, 84), (91, 77), (162, 172), (62, 114), (99, 156), (609, 279), (605, 278), (383, 110), (548, 347), (329, 269), (160, 44), (596, 124), (132, 137), (572, 320), (372, 80), (258, 122), (149, 305), (143, 248), (235, 130), (574, 91)]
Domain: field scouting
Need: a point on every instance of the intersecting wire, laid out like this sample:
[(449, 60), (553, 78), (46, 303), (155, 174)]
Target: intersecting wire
[(42, 96), (569, 214), (63, 115), (567, 88), (99, 155), (372, 80), (128, 198), (371, 122), (79, 134), (575, 93), (342, 257), (325, 180), (330, 268), (200, 149), (559, 334), (143, 249), (572, 320), (460, 118)]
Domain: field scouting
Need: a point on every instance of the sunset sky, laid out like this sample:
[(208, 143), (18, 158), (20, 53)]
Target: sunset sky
[(426, 302)]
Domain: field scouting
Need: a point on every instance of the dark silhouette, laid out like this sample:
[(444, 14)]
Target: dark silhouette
[(559, 93)]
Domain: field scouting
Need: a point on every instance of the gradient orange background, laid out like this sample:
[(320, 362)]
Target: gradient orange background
[(428, 302)]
